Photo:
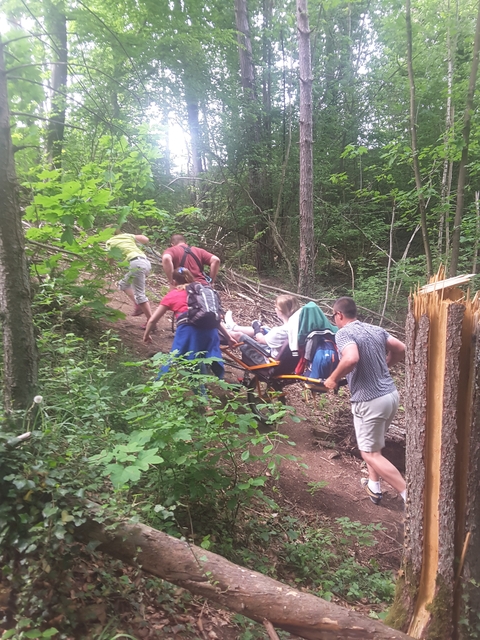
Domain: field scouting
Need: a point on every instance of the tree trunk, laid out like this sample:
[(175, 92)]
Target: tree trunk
[(306, 280), (20, 355), (247, 70), (477, 232), (193, 128), (447, 162), (442, 465), (242, 590), (462, 173), (413, 135), (467, 597), (257, 187), (56, 23)]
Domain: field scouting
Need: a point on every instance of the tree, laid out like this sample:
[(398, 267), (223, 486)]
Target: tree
[(413, 136), (56, 23), (437, 594), (20, 354), (306, 265), (462, 174)]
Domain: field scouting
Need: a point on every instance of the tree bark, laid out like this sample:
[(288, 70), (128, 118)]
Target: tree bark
[(242, 590), (258, 183), (462, 173), (193, 127), (467, 595), (56, 23), (245, 52), (442, 466), (20, 355), (413, 136), (306, 280), (447, 162)]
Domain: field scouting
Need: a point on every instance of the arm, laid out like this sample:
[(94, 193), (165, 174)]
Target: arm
[(142, 239), (214, 267), (167, 264), (160, 311), (260, 338), (395, 351), (350, 357)]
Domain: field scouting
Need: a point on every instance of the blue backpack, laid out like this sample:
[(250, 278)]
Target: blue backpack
[(321, 353)]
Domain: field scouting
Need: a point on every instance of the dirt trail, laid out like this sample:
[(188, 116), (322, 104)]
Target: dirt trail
[(342, 494)]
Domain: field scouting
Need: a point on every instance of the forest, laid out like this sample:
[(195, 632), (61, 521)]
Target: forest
[(326, 149)]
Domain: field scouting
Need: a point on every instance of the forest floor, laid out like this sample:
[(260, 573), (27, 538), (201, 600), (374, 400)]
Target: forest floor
[(324, 480)]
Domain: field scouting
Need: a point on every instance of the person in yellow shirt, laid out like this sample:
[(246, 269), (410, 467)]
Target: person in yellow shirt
[(133, 283)]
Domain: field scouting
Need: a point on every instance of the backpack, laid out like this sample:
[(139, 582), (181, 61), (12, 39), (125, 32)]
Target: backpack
[(321, 353), (204, 309)]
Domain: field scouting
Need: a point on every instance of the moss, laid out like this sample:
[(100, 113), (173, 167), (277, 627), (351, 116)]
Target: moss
[(441, 608), (406, 589)]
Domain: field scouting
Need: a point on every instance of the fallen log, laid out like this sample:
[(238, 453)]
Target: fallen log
[(242, 590)]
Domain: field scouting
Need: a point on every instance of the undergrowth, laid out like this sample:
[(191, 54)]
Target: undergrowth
[(103, 429)]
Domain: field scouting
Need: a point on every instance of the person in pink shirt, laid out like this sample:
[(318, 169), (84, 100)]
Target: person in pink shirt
[(190, 341)]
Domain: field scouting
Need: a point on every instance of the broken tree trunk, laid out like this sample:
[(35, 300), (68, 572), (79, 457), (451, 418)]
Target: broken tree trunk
[(443, 472), (242, 590)]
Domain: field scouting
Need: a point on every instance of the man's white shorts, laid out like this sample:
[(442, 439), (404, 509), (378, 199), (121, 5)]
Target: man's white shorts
[(372, 419)]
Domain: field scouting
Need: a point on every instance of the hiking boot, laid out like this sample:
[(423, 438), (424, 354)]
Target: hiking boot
[(229, 321), (137, 311), (374, 497)]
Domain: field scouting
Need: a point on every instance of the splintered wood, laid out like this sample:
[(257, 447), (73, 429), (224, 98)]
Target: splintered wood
[(441, 373)]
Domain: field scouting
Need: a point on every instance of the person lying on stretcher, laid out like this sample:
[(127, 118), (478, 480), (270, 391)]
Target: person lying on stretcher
[(261, 342)]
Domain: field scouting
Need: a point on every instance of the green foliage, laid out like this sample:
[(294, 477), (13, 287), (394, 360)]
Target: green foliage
[(320, 557), (470, 619), (325, 560), (25, 628), (143, 448), (105, 429), (313, 487)]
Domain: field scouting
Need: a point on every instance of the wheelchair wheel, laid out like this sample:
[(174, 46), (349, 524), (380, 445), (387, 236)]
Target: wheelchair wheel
[(263, 398)]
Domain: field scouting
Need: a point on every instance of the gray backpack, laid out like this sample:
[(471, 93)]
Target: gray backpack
[(204, 309)]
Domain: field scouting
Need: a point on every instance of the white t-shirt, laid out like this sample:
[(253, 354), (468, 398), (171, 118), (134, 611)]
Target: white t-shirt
[(276, 338)]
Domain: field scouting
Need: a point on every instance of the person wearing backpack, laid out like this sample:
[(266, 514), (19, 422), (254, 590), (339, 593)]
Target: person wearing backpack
[(198, 320), (179, 254)]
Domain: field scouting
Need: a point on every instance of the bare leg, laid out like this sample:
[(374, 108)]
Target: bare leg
[(372, 474), (239, 331), (129, 292), (380, 466), (145, 307)]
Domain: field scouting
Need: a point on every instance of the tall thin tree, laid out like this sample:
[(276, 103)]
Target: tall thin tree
[(306, 279), (56, 23), (462, 173), (19, 349), (252, 120), (413, 136)]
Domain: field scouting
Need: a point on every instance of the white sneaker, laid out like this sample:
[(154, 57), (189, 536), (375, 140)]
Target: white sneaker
[(229, 322)]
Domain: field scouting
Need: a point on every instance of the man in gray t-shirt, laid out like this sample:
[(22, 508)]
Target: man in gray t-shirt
[(366, 353)]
